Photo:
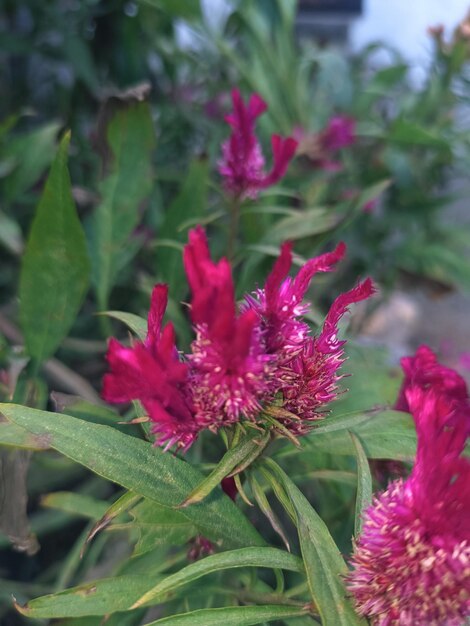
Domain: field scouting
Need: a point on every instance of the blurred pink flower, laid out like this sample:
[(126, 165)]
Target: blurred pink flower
[(339, 133), (242, 162), (411, 563)]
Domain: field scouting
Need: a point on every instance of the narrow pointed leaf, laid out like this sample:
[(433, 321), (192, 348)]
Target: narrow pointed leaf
[(55, 271), (245, 557), (122, 504), (324, 564), (140, 467), (231, 616), (137, 324), (249, 447), (74, 503), (123, 593), (364, 484)]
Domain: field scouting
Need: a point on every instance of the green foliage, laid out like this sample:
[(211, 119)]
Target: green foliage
[(55, 269), (130, 137), (324, 565), (103, 497), (138, 466)]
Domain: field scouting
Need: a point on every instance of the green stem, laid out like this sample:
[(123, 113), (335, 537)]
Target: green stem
[(234, 211)]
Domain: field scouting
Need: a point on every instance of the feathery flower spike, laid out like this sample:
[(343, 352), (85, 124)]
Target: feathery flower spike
[(242, 162)]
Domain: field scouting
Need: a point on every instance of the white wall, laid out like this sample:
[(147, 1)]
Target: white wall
[(403, 23)]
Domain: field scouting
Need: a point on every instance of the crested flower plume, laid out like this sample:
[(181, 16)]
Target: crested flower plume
[(244, 361), (412, 561), (242, 162), (230, 369)]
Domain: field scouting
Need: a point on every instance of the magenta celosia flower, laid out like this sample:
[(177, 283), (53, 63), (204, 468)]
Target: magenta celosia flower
[(230, 368), (153, 373), (281, 303), (412, 561), (305, 368), (310, 380), (242, 163), (340, 133), (242, 360)]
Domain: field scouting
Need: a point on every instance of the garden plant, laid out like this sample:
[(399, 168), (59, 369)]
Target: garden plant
[(193, 429)]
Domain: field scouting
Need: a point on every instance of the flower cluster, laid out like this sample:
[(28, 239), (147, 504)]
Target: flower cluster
[(412, 561), (242, 163), (243, 360)]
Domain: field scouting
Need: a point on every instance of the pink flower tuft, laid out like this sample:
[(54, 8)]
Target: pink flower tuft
[(310, 379), (304, 367), (229, 366), (242, 163), (411, 563), (152, 373), (280, 304)]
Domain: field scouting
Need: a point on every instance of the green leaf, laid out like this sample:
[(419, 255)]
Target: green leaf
[(98, 414), (32, 152), (121, 505), (372, 193), (17, 437), (11, 237), (250, 446), (135, 323), (364, 484), (75, 503), (55, 270), (131, 139), (405, 132), (385, 435), (231, 616), (140, 467), (245, 557), (124, 593), (177, 8), (108, 595), (304, 224), (160, 525), (324, 564)]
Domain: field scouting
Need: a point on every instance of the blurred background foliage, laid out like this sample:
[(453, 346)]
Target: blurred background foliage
[(144, 87)]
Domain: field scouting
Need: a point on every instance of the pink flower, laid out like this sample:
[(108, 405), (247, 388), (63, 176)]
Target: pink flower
[(229, 365), (242, 163), (153, 373), (423, 370), (280, 304), (321, 147), (241, 360), (340, 133), (411, 563), (310, 379), (305, 367)]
